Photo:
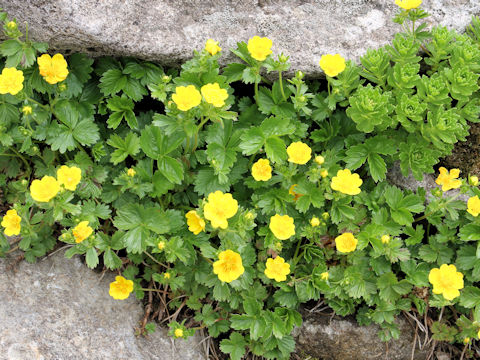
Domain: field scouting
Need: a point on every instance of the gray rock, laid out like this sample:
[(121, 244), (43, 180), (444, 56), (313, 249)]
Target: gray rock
[(341, 339), (395, 177), (58, 309), (168, 31)]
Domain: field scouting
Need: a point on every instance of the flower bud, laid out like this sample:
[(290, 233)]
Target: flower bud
[(166, 78), (319, 159), (315, 221), (437, 192), (62, 87), (27, 110), (299, 75), (324, 173), (12, 25), (249, 215), (385, 239), (24, 182), (473, 180), (282, 58), (131, 172), (302, 98), (178, 333), (325, 215), (161, 245)]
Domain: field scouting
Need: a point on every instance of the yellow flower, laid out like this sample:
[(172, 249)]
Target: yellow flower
[(259, 47), (446, 281), (131, 172), (178, 333), (466, 340), (473, 205), (385, 239), (45, 189), (319, 159), (296, 195), (346, 182), (261, 170), (167, 276), (121, 288), (324, 173), (229, 266), (11, 223), (195, 223), (299, 153), (324, 275), (161, 245), (212, 46), (314, 221), (69, 177), (27, 110), (53, 69), (82, 231), (186, 97), (478, 334), (346, 242), (219, 208), (282, 226), (408, 4), (277, 269), (332, 65), (11, 81), (213, 94), (448, 180)]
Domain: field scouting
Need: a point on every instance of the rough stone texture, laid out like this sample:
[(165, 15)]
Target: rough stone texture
[(169, 30), (58, 309), (343, 338)]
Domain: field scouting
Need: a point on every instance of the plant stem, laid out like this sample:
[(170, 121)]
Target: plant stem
[(155, 290), (281, 85), (256, 92), (434, 211), (155, 260), (23, 159)]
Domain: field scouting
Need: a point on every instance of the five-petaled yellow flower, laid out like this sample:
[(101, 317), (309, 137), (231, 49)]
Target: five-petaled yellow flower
[(213, 94), (212, 46), (346, 182), (346, 242), (178, 333), (219, 208), (161, 245), (229, 266), (408, 4), (324, 275), (11, 81), (186, 97), (121, 288), (282, 226), (446, 280), (277, 269), (82, 231), (261, 170), (53, 69), (259, 48), (45, 189), (195, 223), (473, 205), (385, 239), (448, 179), (131, 172), (69, 177), (11, 223), (299, 153), (332, 65)]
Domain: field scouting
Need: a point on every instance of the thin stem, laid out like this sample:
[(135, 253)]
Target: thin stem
[(12, 250), (155, 290), (23, 159), (39, 104), (256, 92), (281, 85), (297, 250), (434, 211), (26, 31), (155, 260)]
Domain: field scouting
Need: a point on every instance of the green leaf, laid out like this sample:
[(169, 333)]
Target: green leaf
[(92, 258), (155, 144), (377, 167), (171, 168), (235, 346), (470, 232), (122, 108), (470, 297), (112, 82), (129, 146), (275, 149), (111, 260)]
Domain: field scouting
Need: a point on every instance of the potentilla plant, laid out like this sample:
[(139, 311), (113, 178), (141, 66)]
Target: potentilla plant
[(239, 210)]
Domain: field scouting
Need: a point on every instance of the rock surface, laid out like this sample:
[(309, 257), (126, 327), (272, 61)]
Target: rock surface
[(58, 309), (169, 30), (341, 339)]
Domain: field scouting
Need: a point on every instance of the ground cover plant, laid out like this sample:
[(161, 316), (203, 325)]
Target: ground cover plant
[(236, 210)]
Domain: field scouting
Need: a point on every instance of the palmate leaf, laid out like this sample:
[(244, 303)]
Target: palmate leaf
[(124, 147), (235, 346)]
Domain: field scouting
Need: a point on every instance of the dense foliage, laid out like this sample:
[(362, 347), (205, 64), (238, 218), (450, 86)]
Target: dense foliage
[(251, 206)]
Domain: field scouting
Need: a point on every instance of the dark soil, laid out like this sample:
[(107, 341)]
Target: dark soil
[(466, 155)]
